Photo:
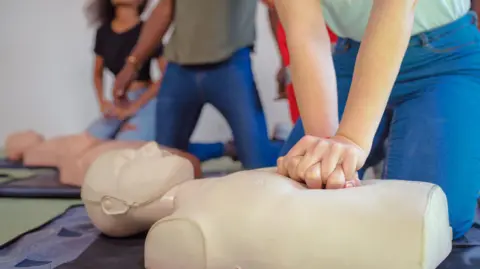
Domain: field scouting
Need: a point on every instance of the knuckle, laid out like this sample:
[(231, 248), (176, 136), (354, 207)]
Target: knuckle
[(351, 151), (308, 138), (323, 143), (337, 147)]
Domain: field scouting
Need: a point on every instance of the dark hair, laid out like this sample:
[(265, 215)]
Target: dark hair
[(103, 11)]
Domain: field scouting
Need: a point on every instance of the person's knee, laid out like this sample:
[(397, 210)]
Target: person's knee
[(461, 213)]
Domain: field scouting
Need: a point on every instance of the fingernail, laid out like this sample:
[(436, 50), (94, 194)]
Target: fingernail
[(348, 184)]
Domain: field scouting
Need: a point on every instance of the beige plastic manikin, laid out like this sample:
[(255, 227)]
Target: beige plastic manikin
[(71, 154), (261, 220)]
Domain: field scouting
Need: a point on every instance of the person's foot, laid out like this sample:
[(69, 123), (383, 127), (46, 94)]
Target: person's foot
[(230, 150)]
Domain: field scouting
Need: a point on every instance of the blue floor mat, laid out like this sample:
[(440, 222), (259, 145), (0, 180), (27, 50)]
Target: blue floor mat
[(71, 242)]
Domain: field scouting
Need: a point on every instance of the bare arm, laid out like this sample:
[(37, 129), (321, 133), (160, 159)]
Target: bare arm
[(377, 67), (98, 78), (476, 6), (378, 63), (153, 89), (154, 30), (274, 21), (311, 64)]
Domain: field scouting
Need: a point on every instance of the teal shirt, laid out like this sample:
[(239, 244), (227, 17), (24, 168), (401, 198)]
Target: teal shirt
[(349, 18)]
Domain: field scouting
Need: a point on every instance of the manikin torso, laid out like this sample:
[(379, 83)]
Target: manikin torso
[(71, 154), (260, 220)]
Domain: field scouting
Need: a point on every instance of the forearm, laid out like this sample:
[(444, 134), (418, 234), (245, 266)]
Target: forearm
[(476, 6), (98, 82), (154, 30), (311, 64), (147, 95), (274, 22), (376, 69)]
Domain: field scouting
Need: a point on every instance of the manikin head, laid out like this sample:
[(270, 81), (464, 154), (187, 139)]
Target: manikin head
[(125, 191)]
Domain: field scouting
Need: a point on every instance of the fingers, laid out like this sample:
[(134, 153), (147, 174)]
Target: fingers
[(314, 155), (320, 162), (291, 166), (333, 159), (349, 164), (301, 147), (128, 127), (336, 180), (313, 177), (286, 165), (281, 168)]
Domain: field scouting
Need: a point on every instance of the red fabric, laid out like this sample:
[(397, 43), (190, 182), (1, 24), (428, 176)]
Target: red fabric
[(282, 42), (282, 45), (333, 37)]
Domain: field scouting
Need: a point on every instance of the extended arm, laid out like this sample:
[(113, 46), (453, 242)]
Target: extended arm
[(311, 64), (273, 19), (378, 63), (476, 6), (154, 30), (98, 78), (154, 87), (377, 66)]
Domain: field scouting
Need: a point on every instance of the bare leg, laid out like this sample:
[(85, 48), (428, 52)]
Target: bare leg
[(17, 143), (73, 167), (50, 152)]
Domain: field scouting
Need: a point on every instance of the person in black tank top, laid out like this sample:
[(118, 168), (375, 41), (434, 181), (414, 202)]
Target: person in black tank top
[(119, 30)]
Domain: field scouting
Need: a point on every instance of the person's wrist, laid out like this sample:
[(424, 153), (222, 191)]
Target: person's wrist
[(133, 62), (363, 144), (101, 101)]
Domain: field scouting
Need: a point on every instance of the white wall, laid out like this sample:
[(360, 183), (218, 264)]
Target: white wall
[(46, 65)]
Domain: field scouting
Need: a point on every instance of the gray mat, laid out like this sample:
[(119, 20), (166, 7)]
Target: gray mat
[(44, 184)]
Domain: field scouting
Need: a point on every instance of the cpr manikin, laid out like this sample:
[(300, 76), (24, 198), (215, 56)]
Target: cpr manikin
[(260, 220), (71, 154)]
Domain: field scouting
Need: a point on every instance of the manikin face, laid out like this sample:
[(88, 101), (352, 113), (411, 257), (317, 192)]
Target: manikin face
[(137, 176)]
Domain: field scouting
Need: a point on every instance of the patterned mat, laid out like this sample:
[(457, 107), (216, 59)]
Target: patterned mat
[(71, 242)]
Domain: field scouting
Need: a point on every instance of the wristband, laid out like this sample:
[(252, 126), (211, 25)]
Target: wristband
[(133, 61)]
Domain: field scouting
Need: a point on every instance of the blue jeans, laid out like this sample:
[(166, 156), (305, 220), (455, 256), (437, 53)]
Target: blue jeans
[(144, 130), (228, 86), (206, 151), (143, 122), (432, 115)]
